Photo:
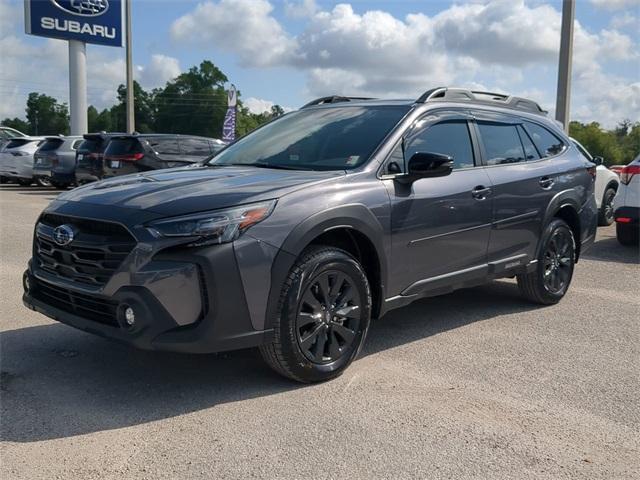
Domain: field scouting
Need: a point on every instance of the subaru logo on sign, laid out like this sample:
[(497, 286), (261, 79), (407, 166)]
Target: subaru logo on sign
[(63, 235), (85, 8)]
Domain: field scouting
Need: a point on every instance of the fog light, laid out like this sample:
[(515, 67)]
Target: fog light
[(129, 316), (27, 283)]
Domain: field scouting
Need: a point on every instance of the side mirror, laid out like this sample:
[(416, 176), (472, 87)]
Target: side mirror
[(427, 165), (598, 160)]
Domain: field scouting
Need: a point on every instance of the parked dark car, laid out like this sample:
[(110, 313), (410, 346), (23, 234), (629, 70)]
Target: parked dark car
[(89, 162), (295, 236), (135, 153), (54, 162)]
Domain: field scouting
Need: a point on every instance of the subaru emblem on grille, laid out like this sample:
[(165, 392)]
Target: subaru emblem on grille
[(63, 235)]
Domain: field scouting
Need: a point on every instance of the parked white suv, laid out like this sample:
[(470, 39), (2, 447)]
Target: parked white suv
[(605, 189), (16, 159), (627, 204)]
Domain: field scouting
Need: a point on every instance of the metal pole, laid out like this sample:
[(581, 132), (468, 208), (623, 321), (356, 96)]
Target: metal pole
[(77, 87), (563, 96), (131, 121)]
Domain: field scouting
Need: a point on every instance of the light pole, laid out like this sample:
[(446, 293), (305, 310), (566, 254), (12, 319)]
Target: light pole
[(563, 95), (131, 121)]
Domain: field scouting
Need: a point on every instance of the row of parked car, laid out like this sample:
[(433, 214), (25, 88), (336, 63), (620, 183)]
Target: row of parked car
[(64, 161)]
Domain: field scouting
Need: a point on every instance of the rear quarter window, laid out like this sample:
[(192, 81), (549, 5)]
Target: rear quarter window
[(547, 143), (197, 147)]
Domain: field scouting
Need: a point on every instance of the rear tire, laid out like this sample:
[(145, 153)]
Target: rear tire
[(43, 181), (605, 215), (322, 318), (627, 234), (549, 282)]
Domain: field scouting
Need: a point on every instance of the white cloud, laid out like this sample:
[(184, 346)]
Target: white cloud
[(300, 8), (615, 4), (244, 27), (625, 20), (258, 105), (160, 70)]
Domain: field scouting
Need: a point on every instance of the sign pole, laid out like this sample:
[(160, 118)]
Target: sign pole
[(563, 95), (131, 121), (78, 87)]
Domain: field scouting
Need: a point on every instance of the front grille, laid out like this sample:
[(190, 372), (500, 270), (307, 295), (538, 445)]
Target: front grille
[(86, 306), (97, 251)]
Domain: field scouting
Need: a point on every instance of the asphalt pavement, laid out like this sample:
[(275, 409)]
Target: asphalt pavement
[(474, 384)]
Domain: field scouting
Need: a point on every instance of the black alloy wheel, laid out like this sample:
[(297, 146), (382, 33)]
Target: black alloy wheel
[(328, 317), (558, 261)]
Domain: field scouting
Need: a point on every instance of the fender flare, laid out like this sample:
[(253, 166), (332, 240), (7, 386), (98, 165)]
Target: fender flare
[(355, 217), (565, 198)]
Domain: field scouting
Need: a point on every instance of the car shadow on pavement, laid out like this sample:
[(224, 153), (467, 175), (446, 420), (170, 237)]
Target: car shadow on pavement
[(610, 250), (58, 382)]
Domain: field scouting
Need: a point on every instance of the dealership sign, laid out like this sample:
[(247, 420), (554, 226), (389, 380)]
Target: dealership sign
[(90, 21)]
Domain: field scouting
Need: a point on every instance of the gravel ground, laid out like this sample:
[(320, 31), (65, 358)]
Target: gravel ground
[(475, 384)]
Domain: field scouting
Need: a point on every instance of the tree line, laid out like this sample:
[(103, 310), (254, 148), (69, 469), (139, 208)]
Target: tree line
[(195, 102)]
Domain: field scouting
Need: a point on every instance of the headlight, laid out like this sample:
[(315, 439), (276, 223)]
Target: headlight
[(218, 226)]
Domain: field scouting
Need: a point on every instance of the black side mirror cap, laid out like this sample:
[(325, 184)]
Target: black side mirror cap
[(427, 165), (598, 160)]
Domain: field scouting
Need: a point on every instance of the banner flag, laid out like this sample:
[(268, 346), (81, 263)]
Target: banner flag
[(229, 125)]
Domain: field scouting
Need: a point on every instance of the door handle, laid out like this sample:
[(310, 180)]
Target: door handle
[(546, 182), (480, 192)]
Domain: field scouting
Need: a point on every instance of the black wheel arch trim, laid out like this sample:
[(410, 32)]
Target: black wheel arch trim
[(565, 198), (355, 217)]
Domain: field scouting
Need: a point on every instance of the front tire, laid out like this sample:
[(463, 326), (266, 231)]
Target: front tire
[(323, 316), (627, 234), (549, 282), (605, 215)]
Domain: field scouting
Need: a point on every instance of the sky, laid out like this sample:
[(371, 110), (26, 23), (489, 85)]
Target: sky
[(288, 52)]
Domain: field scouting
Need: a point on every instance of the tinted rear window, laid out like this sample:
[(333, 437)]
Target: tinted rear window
[(90, 145), (18, 143), (51, 144), (501, 143), (123, 146), (164, 145), (197, 147), (548, 144)]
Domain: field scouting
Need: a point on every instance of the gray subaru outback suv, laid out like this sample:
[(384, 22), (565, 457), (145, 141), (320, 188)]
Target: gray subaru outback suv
[(297, 235)]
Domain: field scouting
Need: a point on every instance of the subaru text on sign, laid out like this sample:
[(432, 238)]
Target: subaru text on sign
[(90, 21)]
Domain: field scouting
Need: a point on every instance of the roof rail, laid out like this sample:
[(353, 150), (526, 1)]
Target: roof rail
[(450, 94), (333, 99)]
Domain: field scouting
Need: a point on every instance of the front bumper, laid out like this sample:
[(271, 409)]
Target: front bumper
[(191, 300)]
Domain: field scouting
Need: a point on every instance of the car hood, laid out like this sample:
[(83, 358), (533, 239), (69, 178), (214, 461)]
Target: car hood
[(185, 190)]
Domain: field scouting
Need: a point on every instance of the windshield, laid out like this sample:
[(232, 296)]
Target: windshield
[(336, 138)]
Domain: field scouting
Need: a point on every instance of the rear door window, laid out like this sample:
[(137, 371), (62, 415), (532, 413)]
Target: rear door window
[(529, 148), (548, 143), (502, 143), (197, 147), (18, 142)]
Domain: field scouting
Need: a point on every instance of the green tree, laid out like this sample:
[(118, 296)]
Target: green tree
[(46, 116), (99, 121), (195, 102), (143, 111)]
